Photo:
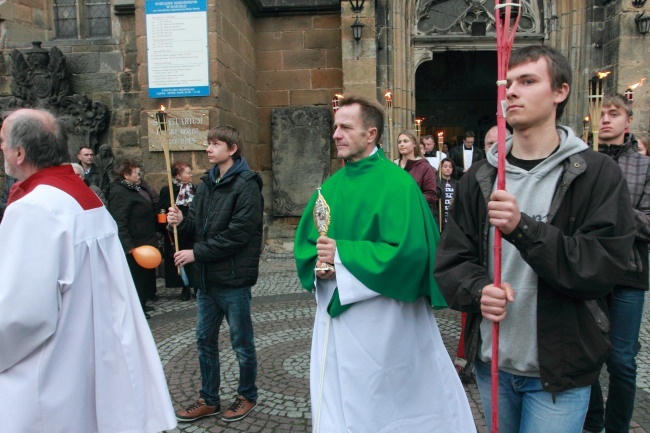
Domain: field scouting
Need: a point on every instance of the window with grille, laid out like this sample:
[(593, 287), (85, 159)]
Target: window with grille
[(75, 19)]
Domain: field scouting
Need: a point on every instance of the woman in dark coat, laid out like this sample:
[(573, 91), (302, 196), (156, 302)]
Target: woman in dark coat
[(412, 160), (135, 218), (183, 191)]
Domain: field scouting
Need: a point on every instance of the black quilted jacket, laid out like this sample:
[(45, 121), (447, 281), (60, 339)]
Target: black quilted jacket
[(225, 225)]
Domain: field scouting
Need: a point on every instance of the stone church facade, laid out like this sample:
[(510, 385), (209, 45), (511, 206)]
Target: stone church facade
[(275, 66)]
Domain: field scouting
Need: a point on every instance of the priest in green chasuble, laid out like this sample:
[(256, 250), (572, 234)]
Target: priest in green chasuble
[(378, 363)]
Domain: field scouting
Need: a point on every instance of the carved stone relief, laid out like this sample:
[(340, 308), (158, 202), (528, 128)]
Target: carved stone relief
[(455, 17), (301, 138), (41, 80)]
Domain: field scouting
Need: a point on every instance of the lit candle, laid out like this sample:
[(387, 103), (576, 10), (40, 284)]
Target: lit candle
[(161, 116), (595, 92), (629, 93), (418, 127), (336, 101), (441, 138), (389, 98)]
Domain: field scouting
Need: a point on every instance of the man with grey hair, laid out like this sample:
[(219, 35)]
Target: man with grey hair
[(76, 353)]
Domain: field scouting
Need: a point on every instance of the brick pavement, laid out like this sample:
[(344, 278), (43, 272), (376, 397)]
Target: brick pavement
[(282, 316)]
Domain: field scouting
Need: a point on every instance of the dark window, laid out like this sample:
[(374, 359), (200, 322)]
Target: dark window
[(82, 18)]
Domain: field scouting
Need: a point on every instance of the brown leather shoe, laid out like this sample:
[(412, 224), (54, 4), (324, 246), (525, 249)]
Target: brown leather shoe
[(197, 410), (239, 409)]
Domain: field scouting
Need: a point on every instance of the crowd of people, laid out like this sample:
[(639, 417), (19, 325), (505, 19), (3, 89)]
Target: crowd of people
[(574, 266)]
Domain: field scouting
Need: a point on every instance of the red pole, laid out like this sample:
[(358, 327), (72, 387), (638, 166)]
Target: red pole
[(506, 19)]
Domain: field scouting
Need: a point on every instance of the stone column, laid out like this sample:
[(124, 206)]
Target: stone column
[(359, 58)]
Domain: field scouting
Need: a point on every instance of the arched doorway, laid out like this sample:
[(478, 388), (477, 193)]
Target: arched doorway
[(455, 92)]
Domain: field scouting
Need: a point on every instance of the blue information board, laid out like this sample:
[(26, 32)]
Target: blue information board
[(177, 48)]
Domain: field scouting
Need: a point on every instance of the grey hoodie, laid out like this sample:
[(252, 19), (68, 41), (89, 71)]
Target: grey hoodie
[(534, 191)]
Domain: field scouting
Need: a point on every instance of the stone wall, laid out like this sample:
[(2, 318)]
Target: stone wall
[(298, 64), (631, 64), (25, 21)]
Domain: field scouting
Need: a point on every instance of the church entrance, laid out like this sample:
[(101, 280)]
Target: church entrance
[(456, 91)]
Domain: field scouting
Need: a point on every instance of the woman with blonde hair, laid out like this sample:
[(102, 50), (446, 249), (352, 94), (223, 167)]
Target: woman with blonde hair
[(412, 160)]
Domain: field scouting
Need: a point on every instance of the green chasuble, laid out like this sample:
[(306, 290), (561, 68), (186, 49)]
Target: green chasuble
[(384, 231)]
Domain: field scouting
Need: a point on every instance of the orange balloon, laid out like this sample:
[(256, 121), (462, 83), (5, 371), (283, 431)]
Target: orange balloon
[(147, 256)]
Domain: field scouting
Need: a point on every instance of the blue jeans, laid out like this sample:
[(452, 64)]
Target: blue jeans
[(235, 305), (625, 312), (524, 407)]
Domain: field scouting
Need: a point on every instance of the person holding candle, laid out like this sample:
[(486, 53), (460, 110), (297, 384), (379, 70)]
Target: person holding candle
[(418, 167), (225, 223), (626, 301), (567, 226), (183, 190)]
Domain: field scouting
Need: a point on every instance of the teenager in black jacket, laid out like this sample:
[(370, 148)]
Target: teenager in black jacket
[(225, 222)]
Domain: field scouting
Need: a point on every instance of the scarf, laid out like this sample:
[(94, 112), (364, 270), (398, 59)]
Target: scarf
[(185, 195), (130, 185)]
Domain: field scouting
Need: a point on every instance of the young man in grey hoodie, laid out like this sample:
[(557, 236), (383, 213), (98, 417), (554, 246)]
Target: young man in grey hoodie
[(565, 245)]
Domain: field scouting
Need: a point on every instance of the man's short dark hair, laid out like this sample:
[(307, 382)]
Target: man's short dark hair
[(559, 68), (85, 147), (470, 134), (618, 101), (228, 135), (41, 134), (427, 137), (372, 113)]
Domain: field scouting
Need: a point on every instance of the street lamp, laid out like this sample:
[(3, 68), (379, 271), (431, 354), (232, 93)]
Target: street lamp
[(357, 29), (642, 23)]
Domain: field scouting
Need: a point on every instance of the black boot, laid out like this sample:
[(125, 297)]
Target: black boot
[(185, 294)]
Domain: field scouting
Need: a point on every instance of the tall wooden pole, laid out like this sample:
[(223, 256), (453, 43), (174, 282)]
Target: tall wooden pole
[(161, 116)]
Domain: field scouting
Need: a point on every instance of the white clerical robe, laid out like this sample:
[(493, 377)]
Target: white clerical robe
[(76, 353), (381, 366)]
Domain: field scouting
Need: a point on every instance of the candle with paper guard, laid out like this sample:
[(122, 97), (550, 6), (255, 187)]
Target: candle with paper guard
[(161, 117), (389, 104), (595, 92), (389, 98), (418, 126), (629, 93), (336, 101), (441, 139)]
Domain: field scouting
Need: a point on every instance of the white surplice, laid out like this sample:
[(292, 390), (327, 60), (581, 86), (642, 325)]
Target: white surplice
[(381, 366), (76, 352)]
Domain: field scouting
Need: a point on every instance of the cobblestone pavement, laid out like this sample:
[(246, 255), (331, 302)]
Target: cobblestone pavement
[(282, 318)]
